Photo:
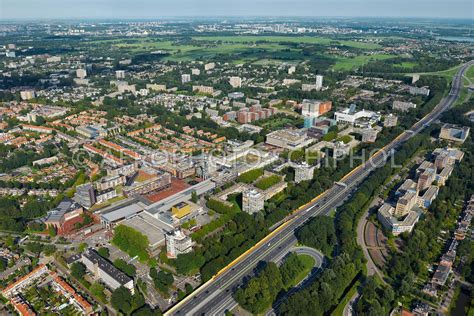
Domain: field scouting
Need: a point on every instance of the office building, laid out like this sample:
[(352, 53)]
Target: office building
[(420, 91), (236, 95), (426, 179), (319, 82), (156, 87), (185, 78), (67, 210), (85, 195), (358, 118), (428, 197), (181, 210), (454, 133), (403, 106), (390, 120), (252, 201), (290, 82), (441, 161), (235, 82), (178, 243), (385, 215), (288, 139), (303, 172), (105, 195), (308, 87), (405, 204), (106, 271), (369, 135), (53, 59), (81, 73), (146, 181), (27, 94), (315, 107), (203, 89), (120, 74), (91, 131), (209, 66), (444, 175)]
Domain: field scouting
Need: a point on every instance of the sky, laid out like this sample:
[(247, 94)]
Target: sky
[(149, 9)]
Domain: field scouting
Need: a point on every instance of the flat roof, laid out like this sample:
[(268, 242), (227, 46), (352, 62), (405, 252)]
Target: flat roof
[(167, 203), (149, 226), (122, 213)]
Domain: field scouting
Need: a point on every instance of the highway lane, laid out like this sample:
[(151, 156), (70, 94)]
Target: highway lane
[(215, 296)]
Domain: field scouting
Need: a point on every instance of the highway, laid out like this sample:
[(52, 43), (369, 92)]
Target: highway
[(215, 296)]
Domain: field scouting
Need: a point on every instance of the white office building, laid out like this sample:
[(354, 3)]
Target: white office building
[(81, 73), (319, 82), (185, 78), (304, 172), (120, 74), (351, 116), (252, 201), (178, 243), (235, 82)]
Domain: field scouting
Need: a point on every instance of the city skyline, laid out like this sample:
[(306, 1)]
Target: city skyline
[(147, 9)]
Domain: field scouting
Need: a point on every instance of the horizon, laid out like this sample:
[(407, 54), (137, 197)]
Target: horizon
[(27, 10)]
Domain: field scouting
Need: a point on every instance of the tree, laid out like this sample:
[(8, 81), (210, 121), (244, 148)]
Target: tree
[(97, 289), (34, 247), (194, 197), (189, 262), (104, 252), (78, 270), (131, 241), (3, 264), (147, 311), (128, 269), (122, 300), (162, 280), (82, 247), (49, 250), (319, 233), (52, 231)]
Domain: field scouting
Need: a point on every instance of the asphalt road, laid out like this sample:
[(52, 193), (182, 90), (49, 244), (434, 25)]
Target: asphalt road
[(215, 296)]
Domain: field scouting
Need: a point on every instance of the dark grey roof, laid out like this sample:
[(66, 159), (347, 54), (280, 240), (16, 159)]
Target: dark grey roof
[(72, 259), (107, 267)]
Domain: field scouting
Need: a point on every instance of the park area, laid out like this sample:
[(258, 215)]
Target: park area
[(258, 50)]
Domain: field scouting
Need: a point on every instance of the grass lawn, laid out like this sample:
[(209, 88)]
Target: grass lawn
[(339, 311), (469, 74), (308, 263), (274, 62), (448, 73), (275, 123), (345, 63), (289, 39), (95, 207)]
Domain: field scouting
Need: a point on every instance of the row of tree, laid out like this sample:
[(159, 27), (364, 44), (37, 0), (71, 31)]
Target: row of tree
[(261, 291)]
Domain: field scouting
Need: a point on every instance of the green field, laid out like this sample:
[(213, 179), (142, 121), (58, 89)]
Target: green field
[(470, 74), (187, 52), (448, 73), (289, 39), (308, 263), (344, 63), (259, 50)]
